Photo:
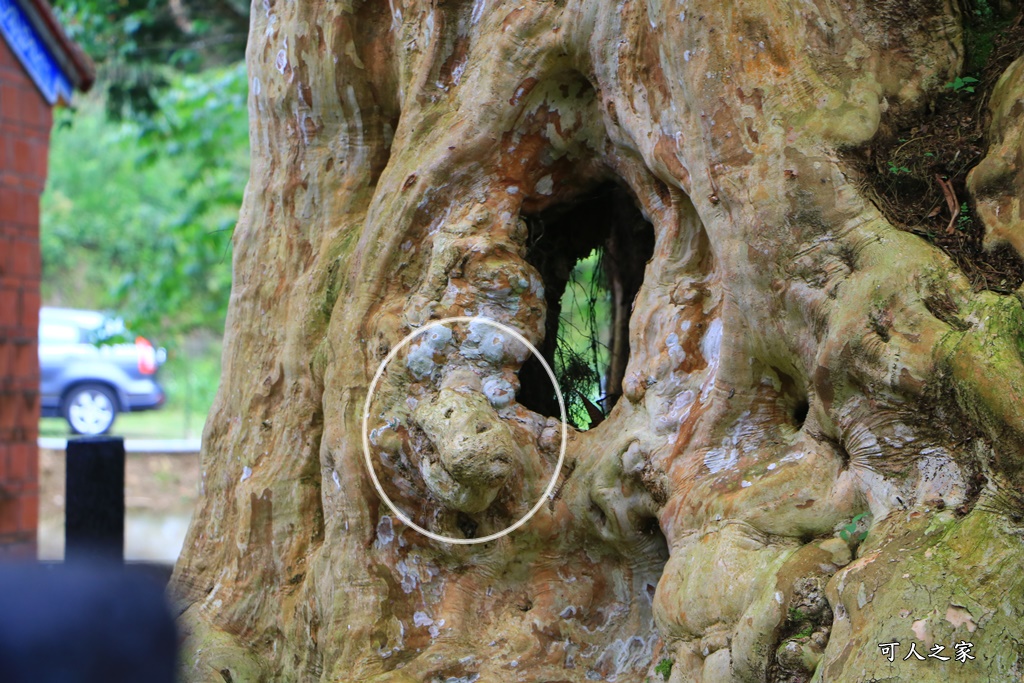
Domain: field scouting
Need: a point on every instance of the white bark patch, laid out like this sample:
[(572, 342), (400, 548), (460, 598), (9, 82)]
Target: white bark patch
[(628, 656), (457, 72), (793, 456), (478, 11), (545, 185), (420, 360), (728, 453), (385, 532), (677, 413), (710, 348), (499, 392), (421, 619), (483, 342), (410, 577), (438, 337), (353, 104), (396, 15), (435, 628), (414, 572), (675, 349), (712, 342), (246, 473)]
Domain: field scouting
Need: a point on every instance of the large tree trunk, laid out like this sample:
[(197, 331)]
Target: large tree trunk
[(800, 371)]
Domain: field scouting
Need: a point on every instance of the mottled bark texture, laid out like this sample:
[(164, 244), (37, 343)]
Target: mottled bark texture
[(796, 363)]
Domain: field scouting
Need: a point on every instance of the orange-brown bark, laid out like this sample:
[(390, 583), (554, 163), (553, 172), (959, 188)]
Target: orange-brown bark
[(819, 436)]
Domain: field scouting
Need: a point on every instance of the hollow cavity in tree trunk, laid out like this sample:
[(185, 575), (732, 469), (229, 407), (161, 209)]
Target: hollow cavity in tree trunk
[(591, 255)]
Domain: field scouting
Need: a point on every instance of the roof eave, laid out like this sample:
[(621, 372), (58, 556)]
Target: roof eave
[(75, 64)]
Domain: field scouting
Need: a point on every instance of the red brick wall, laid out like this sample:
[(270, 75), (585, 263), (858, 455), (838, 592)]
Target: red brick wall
[(25, 121)]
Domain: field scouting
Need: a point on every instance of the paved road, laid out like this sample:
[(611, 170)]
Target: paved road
[(134, 445)]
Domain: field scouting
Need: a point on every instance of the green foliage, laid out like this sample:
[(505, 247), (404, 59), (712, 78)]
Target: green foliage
[(664, 668), (138, 45), (204, 133), (983, 22), (962, 84), (98, 210), (851, 533), (796, 617), (138, 218), (190, 379), (983, 11), (964, 221), (581, 355), (897, 169)]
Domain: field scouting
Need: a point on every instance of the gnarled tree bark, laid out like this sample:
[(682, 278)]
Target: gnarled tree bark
[(820, 440)]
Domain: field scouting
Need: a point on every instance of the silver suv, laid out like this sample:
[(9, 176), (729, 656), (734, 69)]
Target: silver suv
[(91, 368)]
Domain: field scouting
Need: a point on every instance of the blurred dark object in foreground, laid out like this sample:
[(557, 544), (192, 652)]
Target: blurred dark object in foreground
[(94, 507), (84, 624)]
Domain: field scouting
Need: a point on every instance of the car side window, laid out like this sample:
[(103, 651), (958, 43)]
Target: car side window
[(52, 334), (110, 332)]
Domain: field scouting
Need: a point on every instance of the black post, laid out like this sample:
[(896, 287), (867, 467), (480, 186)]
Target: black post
[(94, 499)]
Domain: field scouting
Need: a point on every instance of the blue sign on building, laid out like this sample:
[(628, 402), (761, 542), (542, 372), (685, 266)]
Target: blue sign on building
[(30, 50)]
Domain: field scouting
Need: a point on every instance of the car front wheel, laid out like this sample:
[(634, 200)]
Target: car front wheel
[(90, 409)]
